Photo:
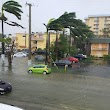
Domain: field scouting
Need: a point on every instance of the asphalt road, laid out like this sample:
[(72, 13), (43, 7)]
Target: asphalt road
[(83, 88)]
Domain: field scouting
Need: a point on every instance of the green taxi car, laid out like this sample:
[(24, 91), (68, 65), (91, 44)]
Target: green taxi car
[(41, 68)]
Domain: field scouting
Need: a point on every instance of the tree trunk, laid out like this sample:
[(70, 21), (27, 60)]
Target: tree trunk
[(9, 58), (70, 41), (46, 60), (56, 45), (10, 54)]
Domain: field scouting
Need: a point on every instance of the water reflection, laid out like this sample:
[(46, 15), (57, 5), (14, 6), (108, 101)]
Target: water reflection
[(97, 68), (101, 62)]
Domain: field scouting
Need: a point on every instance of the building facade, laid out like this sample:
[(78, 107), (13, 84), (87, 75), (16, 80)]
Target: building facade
[(99, 46), (100, 25), (37, 40)]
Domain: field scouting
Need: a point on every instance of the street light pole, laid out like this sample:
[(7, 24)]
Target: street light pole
[(29, 56), (46, 59), (3, 44)]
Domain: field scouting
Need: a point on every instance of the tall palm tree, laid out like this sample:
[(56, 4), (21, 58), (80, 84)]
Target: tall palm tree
[(48, 38), (14, 8), (56, 26)]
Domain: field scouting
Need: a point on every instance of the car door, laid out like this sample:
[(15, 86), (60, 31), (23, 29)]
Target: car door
[(36, 69), (61, 62), (41, 69)]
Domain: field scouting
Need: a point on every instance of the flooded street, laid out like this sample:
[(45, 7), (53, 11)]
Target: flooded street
[(83, 87)]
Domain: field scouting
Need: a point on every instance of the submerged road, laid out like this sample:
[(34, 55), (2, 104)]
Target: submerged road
[(82, 88)]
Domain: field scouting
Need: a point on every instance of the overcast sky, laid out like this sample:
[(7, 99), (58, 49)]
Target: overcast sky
[(43, 10)]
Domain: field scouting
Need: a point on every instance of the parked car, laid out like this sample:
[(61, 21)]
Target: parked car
[(8, 107), (72, 59), (41, 52), (26, 51), (20, 54), (63, 63), (40, 68), (5, 87), (40, 57), (80, 56)]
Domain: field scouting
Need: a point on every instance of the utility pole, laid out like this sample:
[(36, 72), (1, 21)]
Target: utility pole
[(29, 56), (3, 44)]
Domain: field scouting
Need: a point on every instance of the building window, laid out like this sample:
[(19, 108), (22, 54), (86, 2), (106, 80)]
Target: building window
[(35, 42), (96, 19)]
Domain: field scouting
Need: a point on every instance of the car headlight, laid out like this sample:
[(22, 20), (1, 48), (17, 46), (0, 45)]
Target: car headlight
[(1, 89)]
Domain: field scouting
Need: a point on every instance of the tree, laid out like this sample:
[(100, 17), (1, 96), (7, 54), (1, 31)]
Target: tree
[(56, 26), (78, 30), (14, 8), (62, 47), (47, 38)]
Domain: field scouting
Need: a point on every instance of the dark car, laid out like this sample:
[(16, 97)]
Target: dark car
[(80, 56), (40, 57), (40, 52), (5, 87), (63, 63)]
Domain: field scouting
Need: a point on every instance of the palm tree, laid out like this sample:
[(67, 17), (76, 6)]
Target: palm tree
[(56, 26), (76, 27), (47, 38), (14, 8)]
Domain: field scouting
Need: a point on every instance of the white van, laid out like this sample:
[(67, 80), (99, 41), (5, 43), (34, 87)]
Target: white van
[(8, 107)]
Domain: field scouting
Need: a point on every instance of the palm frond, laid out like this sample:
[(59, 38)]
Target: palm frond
[(14, 12), (12, 8), (14, 24), (11, 3)]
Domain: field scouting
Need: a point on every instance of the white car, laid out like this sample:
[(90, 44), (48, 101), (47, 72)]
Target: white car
[(19, 54), (8, 107)]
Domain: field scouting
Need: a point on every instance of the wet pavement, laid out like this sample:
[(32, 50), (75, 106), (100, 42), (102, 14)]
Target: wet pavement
[(82, 87)]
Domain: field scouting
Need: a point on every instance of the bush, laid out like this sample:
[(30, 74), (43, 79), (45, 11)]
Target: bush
[(106, 57)]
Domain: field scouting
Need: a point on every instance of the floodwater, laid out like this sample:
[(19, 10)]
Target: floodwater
[(82, 87)]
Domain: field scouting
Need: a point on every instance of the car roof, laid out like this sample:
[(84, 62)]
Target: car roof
[(8, 107), (40, 65)]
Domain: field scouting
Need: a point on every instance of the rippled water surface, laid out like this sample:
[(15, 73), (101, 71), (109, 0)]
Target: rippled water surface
[(82, 87)]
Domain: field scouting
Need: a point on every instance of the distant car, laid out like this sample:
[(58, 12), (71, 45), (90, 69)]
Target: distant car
[(5, 87), (63, 63), (40, 68), (27, 53), (41, 52), (40, 57), (80, 56), (72, 59), (19, 54), (8, 107)]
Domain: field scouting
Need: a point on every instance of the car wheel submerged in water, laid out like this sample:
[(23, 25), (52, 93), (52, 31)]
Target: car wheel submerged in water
[(30, 71), (5, 87), (2, 93), (44, 72)]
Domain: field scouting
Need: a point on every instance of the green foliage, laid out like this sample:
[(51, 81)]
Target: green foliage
[(12, 7), (79, 30), (6, 40), (73, 50), (62, 47), (89, 59), (39, 49), (106, 57)]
